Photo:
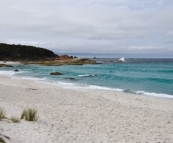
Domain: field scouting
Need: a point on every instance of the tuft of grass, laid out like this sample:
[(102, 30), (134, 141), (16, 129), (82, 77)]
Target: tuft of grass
[(23, 114), (2, 113), (15, 119), (29, 114), (2, 141)]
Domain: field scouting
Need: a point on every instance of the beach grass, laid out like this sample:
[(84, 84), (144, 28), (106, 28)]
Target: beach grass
[(2, 113), (29, 114), (15, 119), (2, 141), (23, 114)]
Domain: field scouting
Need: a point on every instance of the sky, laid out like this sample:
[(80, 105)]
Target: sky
[(141, 27)]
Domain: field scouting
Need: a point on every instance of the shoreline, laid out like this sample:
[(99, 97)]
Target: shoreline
[(9, 62), (72, 115), (79, 85), (71, 85)]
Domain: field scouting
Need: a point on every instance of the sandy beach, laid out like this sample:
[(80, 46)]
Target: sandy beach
[(83, 116), (9, 62)]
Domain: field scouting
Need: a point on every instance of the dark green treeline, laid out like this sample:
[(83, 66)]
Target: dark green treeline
[(23, 52)]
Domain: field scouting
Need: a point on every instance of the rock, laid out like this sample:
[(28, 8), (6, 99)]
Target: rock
[(55, 73), (63, 57), (4, 65), (16, 70), (121, 60), (8, 66), (107, 61), (71, 78), (118, 61), (69, 61), (84, 61)]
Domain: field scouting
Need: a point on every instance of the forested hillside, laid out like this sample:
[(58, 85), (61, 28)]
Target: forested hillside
[(23, 52)]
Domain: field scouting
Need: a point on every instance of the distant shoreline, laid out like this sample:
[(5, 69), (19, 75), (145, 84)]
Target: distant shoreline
[(9, 62)]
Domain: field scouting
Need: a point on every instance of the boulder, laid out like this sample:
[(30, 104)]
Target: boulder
[(16, 70), (63, 57), (71, 78), (55, 73), (121, 60)]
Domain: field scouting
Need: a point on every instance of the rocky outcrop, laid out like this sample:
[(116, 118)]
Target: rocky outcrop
[(108, 61), (84, 61), (55, 73), (63, 57), (69, 61), (4, 65), (121, 60)]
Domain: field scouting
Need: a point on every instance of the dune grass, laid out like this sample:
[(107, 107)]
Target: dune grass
[(24, 112), (2, 141), (15, 119), (2, 113), (29, 114)]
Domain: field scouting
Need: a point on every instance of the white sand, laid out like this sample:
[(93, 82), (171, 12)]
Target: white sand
[(83, 116), (9, 62)]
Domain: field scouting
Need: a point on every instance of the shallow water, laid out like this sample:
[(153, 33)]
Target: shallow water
[(139, 76)]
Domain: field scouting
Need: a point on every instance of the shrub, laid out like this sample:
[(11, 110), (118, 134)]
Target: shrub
[(2, 113), (29, 114), (15, 119)]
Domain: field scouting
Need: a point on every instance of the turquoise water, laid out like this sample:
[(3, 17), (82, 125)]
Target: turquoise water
[(152, 77)]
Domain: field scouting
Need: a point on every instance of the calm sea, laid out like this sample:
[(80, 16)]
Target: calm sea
[(152, 77)]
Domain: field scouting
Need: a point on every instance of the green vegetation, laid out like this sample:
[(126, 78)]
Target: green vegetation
[(23, 114), (29, 114), (2, 141), (15, 119), (2, 113), (23, 52)]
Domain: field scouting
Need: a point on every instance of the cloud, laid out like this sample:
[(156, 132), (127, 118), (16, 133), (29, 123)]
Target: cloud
[(93, 26)]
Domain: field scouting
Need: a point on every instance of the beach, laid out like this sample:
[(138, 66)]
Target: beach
[(9, 62), (83, 116)]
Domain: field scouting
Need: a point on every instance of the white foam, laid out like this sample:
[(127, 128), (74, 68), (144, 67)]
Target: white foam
[(34, 78), (87, 75), (104, 88), (8, 73), (66, 84), (122, 59), (154, 94), (84, 86)]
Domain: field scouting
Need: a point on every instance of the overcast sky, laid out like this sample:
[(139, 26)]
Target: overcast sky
[(89, 26)]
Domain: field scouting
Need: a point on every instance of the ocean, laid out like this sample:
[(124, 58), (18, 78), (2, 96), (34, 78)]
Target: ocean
[(150, 77)]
